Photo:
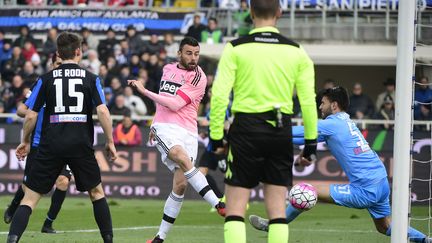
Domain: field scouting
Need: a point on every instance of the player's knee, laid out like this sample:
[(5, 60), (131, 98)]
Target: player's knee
[(62, 183), (178, 155), (96, 193)]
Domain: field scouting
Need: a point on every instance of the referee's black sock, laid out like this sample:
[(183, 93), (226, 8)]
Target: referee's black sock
[(213, 185), (56, 202), (103, 219), (20, 220)]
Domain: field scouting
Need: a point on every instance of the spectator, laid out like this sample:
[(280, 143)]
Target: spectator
[(134, 41), (89, 38), (14, 93), (5, 53), (2, 110), (212, 34), (328, 84), (24, 36), (422, 95), (134, 103), (92, 62), (154, 68), (125, 75), (242, 19), (153, 46), (112, 65), (109, 97), (196, 28), (134, 65), (116, 86), (28, 74), (13, 65), (28, 51), (106, 45), (119, 107), (171, 47), (105, 75), (127, 133), (390, 91), (2, 39), (386, 112), (361, 106), (50, 46)]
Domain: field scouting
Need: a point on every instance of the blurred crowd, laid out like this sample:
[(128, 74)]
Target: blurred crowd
[(119, 58)]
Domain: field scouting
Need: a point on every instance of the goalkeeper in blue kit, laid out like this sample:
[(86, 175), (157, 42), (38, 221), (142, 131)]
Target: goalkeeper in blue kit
[(368, 186)]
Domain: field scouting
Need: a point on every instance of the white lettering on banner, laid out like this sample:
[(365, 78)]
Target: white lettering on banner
[(2, 135), (33, 14), (123, 190), (14, 163), (379, 5), (9, 187), (3, 159), (65, 14), (39, 25)]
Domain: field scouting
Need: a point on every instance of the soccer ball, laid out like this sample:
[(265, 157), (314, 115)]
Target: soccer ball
[(303, 196)]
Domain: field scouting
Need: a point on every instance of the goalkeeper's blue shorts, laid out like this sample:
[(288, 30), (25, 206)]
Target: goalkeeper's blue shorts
[(375, 197)]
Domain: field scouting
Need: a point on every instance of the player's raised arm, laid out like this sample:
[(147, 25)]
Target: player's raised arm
[(173, 103)]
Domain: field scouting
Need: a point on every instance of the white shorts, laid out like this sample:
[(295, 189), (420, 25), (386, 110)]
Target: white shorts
[(169, 135)]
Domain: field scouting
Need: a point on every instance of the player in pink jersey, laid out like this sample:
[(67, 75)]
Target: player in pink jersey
[(175, 131)]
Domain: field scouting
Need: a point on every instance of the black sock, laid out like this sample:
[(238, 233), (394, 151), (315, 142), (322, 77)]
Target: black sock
[(56, 202), (18, 197), (20, 220), (213, 185), (103, 217)]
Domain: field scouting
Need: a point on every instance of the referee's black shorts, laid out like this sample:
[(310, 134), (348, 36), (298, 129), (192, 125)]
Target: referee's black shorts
[(260, 151), (47, 167), (29, 162)]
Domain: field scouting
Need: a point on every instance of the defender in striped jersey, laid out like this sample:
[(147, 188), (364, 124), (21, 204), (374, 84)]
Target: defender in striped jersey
[(175, 131)]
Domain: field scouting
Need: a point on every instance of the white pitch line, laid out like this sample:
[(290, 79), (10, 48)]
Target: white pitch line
[(199, 226)]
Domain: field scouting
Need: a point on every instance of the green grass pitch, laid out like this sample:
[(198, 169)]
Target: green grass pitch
[(138, 220)]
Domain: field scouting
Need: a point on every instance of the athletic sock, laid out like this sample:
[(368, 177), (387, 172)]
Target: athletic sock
[(19, 194), (199, 183), (213, 185), (20, 220), (413, 235), (57, 200), (103, 217), (278, 231), (292, 213), (234, 230), (171, 210)]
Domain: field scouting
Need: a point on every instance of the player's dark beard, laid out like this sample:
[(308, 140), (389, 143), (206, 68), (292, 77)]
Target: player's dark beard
[(188, 66)]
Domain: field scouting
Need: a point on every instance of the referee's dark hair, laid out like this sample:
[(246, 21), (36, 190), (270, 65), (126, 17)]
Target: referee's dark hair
[(264, 9), (67, 44), (339, 95), (188, 41)]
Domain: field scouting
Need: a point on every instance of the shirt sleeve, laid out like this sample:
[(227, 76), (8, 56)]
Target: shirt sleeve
[(221, 90), (97, 93), (193, 89), (298, 134), (305, 85), (37, 98), (327, 127)]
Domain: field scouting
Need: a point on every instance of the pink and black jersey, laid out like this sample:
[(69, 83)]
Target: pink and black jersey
[(190, 86)]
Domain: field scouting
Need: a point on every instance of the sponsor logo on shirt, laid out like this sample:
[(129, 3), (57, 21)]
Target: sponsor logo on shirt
[(169, 87)]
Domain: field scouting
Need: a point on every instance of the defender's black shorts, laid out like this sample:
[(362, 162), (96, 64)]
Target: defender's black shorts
[(29, 162), (210, 160), (46, 168), (260, 151)]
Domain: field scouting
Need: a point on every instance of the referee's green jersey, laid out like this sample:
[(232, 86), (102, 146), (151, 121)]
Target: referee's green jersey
[(262, 70)]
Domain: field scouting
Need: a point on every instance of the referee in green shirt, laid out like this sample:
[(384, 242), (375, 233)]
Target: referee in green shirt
[(262, 70)]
